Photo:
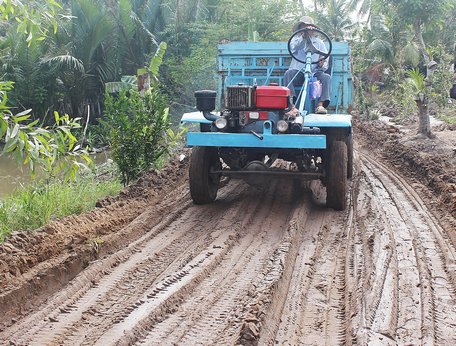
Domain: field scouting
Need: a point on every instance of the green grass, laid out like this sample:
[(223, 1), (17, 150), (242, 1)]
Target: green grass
[(447, 114), (449, 119), (36, 204)]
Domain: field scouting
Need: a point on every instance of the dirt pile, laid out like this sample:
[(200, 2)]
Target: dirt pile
[(430, 162)]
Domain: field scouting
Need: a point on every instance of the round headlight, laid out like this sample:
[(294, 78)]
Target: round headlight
[(221, 123), (282, 126)]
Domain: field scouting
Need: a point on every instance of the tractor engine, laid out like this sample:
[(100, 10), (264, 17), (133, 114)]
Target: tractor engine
[(245, 107), (268, 97)]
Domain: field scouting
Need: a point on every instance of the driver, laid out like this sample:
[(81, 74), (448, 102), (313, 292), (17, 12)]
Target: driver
[(294, 76)]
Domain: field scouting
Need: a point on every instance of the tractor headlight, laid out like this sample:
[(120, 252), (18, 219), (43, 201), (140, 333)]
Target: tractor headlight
[(221, 123), (254, 115), (282, 126)]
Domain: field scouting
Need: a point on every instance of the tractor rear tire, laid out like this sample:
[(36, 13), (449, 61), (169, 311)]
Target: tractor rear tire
[(336, 176), (203, 183), (349, 142)]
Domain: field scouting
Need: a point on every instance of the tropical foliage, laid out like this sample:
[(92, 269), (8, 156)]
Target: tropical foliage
[(62, 59), (54, 149)]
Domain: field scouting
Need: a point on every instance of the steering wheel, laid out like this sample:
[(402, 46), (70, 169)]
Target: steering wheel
[(312, 48)]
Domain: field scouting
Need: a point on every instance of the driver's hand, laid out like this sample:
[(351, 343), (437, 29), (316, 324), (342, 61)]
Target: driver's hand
[(321, 62)]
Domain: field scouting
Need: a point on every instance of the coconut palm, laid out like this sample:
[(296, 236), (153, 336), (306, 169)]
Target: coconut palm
[(335, 21), (22, 63)]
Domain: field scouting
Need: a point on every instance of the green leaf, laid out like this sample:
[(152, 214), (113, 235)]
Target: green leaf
[(141, 71), (10, 145), (14, 131), (29, 38), (3, 127), (116, 87), (54, 3), (22, 116), (66, 62), (165, 114), (33, 123), (157, 60), (411, 54)]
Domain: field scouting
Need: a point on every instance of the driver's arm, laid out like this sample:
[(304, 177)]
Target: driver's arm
[(297, 43), (321, 47)]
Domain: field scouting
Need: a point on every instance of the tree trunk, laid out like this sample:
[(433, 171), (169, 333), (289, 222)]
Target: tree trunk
[(419, 38), (454, 63), (143, 83), (424, 123)]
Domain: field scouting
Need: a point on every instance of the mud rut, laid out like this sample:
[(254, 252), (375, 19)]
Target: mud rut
[(270, 266)]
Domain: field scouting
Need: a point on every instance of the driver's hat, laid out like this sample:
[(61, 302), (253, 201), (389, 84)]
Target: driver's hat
[(306, 20)]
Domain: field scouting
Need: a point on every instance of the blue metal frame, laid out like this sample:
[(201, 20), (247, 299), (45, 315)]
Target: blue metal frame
[(311, 120), (266, 62), (249, 140)]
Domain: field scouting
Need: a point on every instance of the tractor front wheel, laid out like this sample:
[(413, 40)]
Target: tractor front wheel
[(203, 182), (336, 176)]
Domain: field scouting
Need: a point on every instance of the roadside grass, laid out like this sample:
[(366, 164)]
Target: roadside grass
[(449, 119), (36, 204), (448, 114)]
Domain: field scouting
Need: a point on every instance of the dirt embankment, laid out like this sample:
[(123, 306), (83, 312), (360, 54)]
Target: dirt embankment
[(35, 264), (263, 266), (430, 164)]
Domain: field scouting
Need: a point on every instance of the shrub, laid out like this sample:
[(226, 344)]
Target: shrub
[(137, 130)]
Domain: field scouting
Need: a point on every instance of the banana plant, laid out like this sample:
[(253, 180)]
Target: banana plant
[(130, 82)]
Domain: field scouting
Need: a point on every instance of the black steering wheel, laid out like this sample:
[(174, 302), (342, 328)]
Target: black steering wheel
[(312, 48)]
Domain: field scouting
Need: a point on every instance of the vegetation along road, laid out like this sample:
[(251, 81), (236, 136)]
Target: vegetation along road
[(259, 266)]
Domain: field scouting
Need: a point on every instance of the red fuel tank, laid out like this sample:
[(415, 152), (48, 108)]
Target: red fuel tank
[(271, 97)]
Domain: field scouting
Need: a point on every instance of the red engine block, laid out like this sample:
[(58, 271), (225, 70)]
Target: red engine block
[(271, 97)]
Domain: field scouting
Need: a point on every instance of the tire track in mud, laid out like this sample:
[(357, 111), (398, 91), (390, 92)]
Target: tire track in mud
[(381, 273), (126, 291), (313, 309), (45, 260), (407, 288), (214, 311)]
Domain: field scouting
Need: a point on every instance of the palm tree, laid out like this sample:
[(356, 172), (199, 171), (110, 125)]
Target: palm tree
[(364, 8), (36, 86), (322, 3), (336, 19)]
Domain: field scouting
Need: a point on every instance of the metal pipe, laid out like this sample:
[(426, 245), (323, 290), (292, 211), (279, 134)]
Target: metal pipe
[(209, 116)]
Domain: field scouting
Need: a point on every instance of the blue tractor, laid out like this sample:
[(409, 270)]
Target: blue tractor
[(251, 130)]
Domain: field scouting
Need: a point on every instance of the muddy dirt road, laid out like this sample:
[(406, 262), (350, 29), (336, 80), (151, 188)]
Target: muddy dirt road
[(261, 266)]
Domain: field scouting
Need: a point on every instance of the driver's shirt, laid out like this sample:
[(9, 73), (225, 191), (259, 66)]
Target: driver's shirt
[(299, 48)]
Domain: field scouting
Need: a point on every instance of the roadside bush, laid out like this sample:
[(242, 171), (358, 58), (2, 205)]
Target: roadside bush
[(137, 130)]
